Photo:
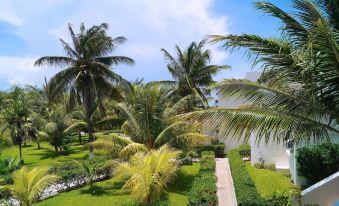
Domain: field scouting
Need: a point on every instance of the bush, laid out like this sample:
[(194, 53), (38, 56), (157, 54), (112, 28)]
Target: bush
[(246, 193), (185, 161), (192, 154), (278, 199), (218, 149), (5, 194), (318, 162), (244, 150), (204, 191)]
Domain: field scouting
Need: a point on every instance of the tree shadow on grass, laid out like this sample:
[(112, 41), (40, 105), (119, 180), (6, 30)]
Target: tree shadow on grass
[(182, 183), (94, 191), (106, 189)]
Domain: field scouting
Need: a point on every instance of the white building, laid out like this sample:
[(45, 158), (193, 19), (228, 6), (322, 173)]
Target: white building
[(282, 154)]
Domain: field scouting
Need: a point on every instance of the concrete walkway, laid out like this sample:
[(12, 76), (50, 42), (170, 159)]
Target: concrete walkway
[(225, 189)]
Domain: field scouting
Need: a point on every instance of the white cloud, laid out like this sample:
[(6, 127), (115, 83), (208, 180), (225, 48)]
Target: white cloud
[(21, 70), (7, 13), (148, 24)]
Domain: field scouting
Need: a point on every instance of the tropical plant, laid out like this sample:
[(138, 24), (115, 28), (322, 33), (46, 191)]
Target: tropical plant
[(191, 70), (297, 96), (14, 116), (78, 124), (87, 75), (147, 175), (148, 125), (29, 185)]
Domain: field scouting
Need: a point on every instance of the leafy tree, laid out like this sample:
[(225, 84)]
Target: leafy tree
[(191, 70), (29, 185), (297, 95), (318, 162), (87, 75), (147, 175)]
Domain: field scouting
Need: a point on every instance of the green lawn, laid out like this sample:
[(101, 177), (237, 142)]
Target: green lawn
[(109, 193), (46, 155), (267, 181)]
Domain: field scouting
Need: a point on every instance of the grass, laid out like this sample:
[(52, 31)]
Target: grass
[(268, 182), (45, 156), (109, 193)]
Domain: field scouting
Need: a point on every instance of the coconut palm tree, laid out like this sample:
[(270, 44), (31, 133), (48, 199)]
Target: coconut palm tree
[(148, 124), (147, 175), (14, 115), (191, 70), (298, 93), (29, 185), (87, 75)]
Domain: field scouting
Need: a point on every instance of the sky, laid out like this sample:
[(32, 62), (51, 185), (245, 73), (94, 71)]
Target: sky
[(31, 29)]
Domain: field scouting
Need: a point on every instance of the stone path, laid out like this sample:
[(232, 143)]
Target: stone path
[(225, 189)]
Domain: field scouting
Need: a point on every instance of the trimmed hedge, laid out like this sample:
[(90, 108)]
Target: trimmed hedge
[(246, 193), (218, 149), (204, 190)]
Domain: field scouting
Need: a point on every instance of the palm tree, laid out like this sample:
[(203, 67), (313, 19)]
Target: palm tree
[(29, 185), (87, 75), (297, 95), (148, 124), (191, 70), (147, 175), (77, 121), (15, 114)]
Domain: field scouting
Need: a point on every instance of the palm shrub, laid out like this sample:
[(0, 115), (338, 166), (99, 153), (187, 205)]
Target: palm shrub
[(146, 175), (29, 184), (87, 75)]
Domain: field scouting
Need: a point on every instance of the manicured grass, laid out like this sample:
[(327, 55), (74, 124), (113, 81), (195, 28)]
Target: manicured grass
[(267, 181), (109, 193), (45, 156)]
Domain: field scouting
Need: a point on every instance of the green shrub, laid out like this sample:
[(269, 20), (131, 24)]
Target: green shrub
[(278, 199), (244, 150), (192, 154), (318, 162), (204, 191), (246, 193), (185, 161), (218, 149)]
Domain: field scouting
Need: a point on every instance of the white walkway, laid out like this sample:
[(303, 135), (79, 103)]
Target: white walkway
[(225, 189)]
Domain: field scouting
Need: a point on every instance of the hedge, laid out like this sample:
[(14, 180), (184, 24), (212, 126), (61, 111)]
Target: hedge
[(246, 193), (204, 190), (218, 149)]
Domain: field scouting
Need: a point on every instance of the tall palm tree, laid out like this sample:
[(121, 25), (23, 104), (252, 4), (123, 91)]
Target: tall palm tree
[(14, 115), (147, 175), (29, 185), (88, 76), (191, 70), (148, 124), (297, 97)]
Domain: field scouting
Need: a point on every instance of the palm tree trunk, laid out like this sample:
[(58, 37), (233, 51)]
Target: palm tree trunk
[(20, 150), (87, 106), (79, 137)]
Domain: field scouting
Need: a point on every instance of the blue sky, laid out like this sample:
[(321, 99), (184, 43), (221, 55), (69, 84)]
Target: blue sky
[(30, 29)]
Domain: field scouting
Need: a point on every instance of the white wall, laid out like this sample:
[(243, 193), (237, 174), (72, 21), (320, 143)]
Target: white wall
[(271, 152), (323, 193)]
